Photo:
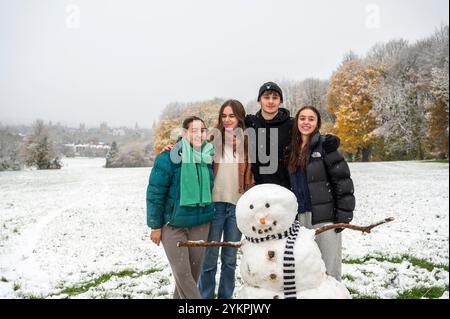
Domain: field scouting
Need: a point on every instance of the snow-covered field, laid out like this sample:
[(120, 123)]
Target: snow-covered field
[(80, 232)]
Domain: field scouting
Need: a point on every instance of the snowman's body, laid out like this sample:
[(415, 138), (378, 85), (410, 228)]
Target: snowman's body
[(269, 210)]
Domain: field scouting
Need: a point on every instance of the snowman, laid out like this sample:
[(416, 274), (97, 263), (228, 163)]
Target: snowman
[(280, 259)]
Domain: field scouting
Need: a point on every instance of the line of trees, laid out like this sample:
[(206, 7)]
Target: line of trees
[(41, 146), (391, 104), (134, 154)]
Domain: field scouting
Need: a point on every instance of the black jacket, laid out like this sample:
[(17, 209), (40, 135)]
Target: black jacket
[(283, 122), (329, 183)]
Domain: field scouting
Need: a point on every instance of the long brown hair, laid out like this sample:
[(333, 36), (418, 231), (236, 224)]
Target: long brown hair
[(239, 112), (297, 158)]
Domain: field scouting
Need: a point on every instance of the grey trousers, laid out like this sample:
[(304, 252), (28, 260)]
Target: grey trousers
[(186, 263), (330, 245)]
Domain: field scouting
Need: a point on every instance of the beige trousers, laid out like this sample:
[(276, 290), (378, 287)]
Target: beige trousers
[(186, 263)]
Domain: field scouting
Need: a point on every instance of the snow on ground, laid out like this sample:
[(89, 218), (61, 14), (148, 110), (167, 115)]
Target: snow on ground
[(80, 232)]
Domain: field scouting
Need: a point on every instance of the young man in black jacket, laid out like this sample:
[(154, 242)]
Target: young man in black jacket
[(270, 136), (268, 152)]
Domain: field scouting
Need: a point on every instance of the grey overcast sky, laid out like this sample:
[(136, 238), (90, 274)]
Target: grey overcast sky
[(123, 61)]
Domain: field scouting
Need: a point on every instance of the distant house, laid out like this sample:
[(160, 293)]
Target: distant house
[(118, 132), (86, 150)]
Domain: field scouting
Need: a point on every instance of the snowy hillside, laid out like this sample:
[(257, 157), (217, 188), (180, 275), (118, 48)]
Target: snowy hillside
[(80, 232)]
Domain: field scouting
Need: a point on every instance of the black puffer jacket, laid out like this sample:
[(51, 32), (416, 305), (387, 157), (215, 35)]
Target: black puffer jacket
[(329, 183), (283, 122)]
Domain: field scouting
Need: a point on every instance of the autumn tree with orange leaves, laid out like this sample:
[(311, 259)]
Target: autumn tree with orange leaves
[(350, 99), (169, 128)]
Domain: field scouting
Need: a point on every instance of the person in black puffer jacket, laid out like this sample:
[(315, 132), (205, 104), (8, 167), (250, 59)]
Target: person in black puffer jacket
[(320, 178)]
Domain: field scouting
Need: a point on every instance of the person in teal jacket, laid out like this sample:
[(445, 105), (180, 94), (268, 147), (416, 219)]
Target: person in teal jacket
[(179, 204)]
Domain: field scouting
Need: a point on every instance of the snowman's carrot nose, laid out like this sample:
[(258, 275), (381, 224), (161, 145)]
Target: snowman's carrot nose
[(262, 221)]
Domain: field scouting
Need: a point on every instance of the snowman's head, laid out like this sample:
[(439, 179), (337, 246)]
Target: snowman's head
[(266, 209)]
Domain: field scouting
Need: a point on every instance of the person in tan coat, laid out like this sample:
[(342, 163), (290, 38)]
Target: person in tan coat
[(232, 177)]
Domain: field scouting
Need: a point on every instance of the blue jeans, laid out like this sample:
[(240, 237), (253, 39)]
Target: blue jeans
[(225, 222)]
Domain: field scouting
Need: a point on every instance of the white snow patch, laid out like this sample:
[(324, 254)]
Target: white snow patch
[(63, 228)]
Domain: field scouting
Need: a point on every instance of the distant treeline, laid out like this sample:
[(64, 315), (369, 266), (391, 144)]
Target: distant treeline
[(43, 145), (391, 104)]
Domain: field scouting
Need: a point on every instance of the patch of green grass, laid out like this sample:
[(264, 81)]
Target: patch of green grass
[(104, 295), (414, 293), (348, 277), (148, 272), (79, 289), (418, 262), (435, 161), (4, 279), (422, 263), (16, 286), (357, 295), (367, 273), (423, 292), (33, 297), (366, 297), (394, 260)]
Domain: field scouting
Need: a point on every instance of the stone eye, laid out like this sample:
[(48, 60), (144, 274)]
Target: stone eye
[(251, 206), (267, 205)]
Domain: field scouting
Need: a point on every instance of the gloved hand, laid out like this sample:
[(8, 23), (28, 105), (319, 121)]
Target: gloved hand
[(341, 219), (330, 143)]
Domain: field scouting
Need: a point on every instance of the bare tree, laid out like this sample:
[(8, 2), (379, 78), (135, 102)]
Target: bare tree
[(309, 92), (172, 111), (412, 101)]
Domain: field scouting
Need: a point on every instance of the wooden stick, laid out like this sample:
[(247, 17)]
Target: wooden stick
[(202, 243), (364, 229)]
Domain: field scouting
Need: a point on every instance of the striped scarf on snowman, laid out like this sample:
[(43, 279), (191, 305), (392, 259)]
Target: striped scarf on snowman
[(290, 290)]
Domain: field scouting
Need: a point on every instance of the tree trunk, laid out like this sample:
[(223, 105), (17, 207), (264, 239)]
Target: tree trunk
[(420, 150), (366, 154)]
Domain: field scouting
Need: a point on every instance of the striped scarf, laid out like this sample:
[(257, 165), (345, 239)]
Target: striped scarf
[(290, 290), (290, 232)]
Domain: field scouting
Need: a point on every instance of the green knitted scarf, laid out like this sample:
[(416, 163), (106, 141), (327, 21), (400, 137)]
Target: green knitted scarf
[(195, 185)]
